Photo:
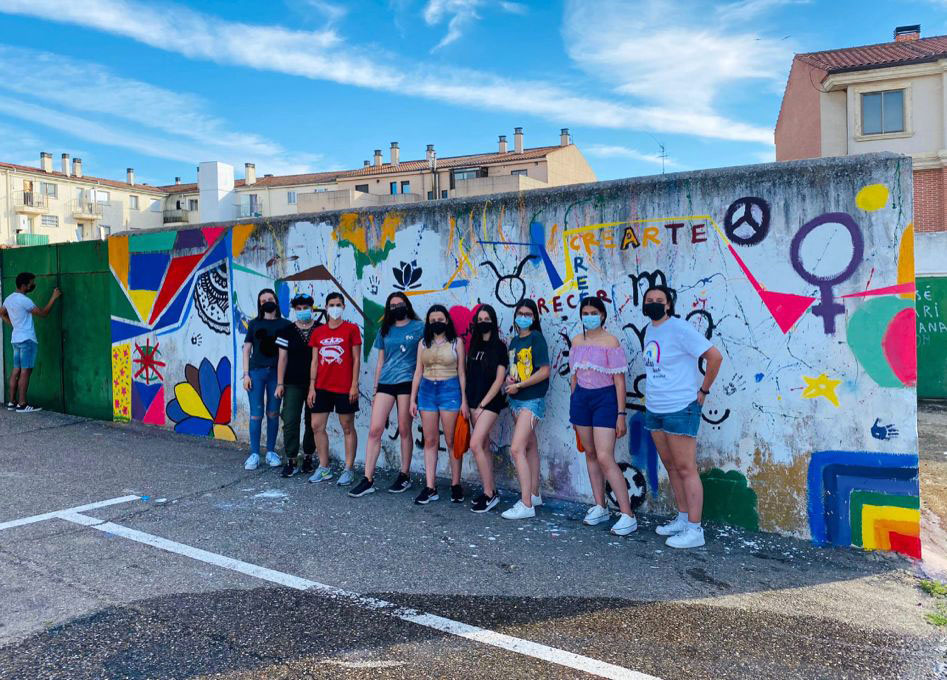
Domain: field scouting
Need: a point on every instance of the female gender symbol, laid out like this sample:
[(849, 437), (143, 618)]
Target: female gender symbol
[(828, 309)]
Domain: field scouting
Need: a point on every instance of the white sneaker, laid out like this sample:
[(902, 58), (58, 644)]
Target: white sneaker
[(676, 526), (346, 478), (596, 515), (322, 474), (625, 525), (519, 511), (273, 459), (537, 501), (252, 462), (691, 537)]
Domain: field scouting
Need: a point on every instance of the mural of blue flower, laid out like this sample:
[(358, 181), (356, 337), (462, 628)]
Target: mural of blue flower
[(201, 406)]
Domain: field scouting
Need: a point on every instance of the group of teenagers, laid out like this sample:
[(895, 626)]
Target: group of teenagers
[(304, 371)]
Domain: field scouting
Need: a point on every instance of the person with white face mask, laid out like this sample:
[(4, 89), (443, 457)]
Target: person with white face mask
[(333, 385)]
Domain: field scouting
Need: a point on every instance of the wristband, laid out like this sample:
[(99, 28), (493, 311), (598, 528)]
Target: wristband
[(623, 413), (703, 391)]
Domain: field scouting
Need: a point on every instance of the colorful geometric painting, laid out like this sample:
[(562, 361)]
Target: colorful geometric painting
[(122, 382), (201, 404), (865, 499)]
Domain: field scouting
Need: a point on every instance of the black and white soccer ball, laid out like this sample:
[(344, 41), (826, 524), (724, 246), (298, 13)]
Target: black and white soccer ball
[(637, 486)]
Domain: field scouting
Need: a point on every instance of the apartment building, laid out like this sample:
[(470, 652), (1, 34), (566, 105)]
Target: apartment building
[(42, 205), (886, 97)]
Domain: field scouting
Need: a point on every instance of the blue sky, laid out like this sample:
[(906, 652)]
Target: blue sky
[(309, 85)]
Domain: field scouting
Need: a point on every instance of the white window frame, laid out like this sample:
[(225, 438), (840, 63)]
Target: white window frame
[(195, 202), (133, 203), (102, 196), (291, 197), (44, 189), (855, 103), (43, 219), (520, 172)]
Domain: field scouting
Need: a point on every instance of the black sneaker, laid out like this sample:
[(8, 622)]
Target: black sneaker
[(456, 493), (290, 469), (26, 408), (363, 488), (11, 406), (401, 484), (484, 503), (426, 496), (307, 468)]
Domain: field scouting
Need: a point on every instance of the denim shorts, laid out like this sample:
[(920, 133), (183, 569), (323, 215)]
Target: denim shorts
[(24, 354), (439, 395), (684, 422), (594, 407), (535, 406)]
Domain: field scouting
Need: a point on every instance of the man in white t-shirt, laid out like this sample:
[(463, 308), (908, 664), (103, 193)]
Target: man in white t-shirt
[(18, 311)]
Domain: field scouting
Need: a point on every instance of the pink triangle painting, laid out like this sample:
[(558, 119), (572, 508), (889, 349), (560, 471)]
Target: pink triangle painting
[(785, 308)]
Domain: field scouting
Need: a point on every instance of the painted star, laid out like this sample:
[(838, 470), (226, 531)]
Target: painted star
[(822, 386)]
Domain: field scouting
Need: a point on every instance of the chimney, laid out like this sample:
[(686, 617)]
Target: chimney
[(429, 153), (177, 180), (518, 140), (365, 164), (377, 158), (77, 167), (502, 148), (130, 176), (249, 173), (395, 154), (65, 164), (907, 33), (46, 162), (564, 139)]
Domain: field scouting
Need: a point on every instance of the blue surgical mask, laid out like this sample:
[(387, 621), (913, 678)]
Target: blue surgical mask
[(591, 321), (524, 322), (304, 315)]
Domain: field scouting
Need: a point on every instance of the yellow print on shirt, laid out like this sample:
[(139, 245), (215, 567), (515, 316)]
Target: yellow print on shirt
[(522, 363)]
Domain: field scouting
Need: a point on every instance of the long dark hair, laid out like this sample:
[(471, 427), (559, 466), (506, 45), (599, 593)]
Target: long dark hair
[(669, 293), (596, 304), (259, 305), (477, 343), (387, 320), (531, 306), (450, 333)]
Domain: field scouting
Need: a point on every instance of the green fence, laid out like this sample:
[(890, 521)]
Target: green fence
[(73, 369), (932, 337)]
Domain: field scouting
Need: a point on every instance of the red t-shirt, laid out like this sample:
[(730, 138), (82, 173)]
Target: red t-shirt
[(336, 356)]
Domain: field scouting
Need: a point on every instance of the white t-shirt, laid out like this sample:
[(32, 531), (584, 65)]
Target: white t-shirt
[(670, 359), (20, 309)]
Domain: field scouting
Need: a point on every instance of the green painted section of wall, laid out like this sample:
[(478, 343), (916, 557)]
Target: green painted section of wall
[(729, 499), (120, 304), (152, 242), (932, 337)]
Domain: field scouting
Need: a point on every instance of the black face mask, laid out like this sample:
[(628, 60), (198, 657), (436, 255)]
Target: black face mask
[(31, 288), (268, 307), (654, 310), (484, 327), (438, 327), (399, 313)]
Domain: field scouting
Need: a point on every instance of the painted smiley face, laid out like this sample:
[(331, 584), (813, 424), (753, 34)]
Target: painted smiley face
[(715, 419)]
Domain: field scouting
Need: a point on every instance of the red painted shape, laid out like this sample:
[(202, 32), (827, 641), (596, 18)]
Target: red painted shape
[(462, 318), (785, 308), (887, 290), (211, 234), (155, 413), (178, 271), (223, 409), (906, 545), (900, 346)]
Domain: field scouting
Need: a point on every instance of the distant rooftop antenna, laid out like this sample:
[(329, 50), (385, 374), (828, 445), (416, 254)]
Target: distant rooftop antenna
[(663, 155)]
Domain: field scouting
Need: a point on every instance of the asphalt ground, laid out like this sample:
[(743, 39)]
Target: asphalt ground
[(291, 574)]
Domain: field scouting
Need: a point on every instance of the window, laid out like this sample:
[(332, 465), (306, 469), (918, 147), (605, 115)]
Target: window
[(291, 197), (155, 206), (362, 187), (462, 174), (406, 187), (49, 189), (51, 221), (430, 195), (192, 204), (882, 112), (393, 188), (101, 196), (524, 173), (249, 205), (443, 193), (133, 202)]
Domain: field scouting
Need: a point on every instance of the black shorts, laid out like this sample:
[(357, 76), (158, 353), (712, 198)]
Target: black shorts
[(395, 389), (327, 402), (497, 404)]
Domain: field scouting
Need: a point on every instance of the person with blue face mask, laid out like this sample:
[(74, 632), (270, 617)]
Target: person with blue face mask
[(295, 358), (598, 365)]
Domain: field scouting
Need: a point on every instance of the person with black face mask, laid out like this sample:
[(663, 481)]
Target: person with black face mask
[(260, 360), (487, 364), (674, 394)]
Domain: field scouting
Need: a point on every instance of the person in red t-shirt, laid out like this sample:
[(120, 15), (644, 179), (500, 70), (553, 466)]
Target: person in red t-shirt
[(333, 385)]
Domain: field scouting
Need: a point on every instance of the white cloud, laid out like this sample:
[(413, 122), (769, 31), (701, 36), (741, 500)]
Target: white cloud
[(20, 147), (317, 55), (743, 10), (514, 7), (461, 13), (616, 151)]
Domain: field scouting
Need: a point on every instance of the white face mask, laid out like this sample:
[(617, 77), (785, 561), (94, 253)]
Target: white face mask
[(334, 312)]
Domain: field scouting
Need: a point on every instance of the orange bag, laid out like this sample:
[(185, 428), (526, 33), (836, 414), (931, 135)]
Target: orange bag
[(578, 442), (461, 436)]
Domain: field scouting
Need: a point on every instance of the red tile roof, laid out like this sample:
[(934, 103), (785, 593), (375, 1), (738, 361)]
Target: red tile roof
[(85, 178), (882, 55)]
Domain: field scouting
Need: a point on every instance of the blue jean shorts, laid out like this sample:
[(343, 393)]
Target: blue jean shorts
[(594, 407), (684, 422), (24, 354), (535, 406), (439, 395)]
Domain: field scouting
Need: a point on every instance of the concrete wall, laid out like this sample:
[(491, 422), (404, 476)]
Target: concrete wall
[(797, 272)]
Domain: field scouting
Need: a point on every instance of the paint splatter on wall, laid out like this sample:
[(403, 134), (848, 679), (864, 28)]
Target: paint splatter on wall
[(798, 273)]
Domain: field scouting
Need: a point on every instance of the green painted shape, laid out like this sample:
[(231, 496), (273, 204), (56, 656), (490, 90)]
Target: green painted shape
[(859, 499), (87, 343), (865, 331), (119, 304), (152, 242), (247, 270), (82, 257), (932, 337), (373, 316), (373, 257), (729, 499)]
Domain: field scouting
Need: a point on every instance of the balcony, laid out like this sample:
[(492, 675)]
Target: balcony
[(30, 203), (249, 210), (175, 217), (86, 210), (345, 199), (23, 239)]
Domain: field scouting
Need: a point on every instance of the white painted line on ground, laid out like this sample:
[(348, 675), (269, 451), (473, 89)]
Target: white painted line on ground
[(439, 623), (57, 513)]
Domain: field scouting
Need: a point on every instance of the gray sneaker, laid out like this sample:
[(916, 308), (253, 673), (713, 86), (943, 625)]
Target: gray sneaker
[(346, 478), (321, 474)]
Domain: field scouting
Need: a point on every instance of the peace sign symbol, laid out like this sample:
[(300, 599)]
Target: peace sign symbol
[(753, 215)]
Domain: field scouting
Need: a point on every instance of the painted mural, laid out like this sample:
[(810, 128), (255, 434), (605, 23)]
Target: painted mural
[(801, 274)]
